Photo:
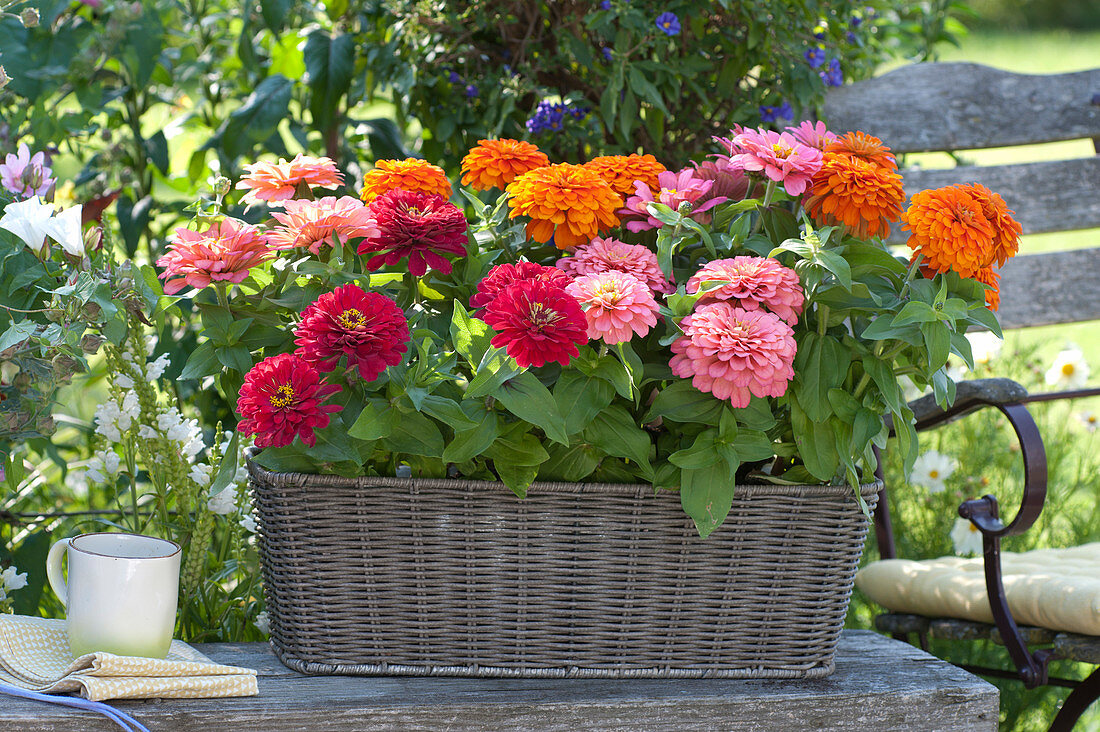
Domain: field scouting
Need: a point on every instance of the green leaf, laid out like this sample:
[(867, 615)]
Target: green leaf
[(836, 264), (707, 495), (415, 434), (258, 118), (17, 333), (330, 62), (615, 432), (375, 421), (235, 357), (571, 463), (580, 398), (702, 454), (916, 311), (518, 478), (611, 370), (495, 368), (275, 13), (751, 445), (470, 443), (816, 444), (756, 416), (682, 402), (524, 396), (883, 377), (202, 362), (227, 470), (820, 364), (31, 555), (937, 340), (447, 411)]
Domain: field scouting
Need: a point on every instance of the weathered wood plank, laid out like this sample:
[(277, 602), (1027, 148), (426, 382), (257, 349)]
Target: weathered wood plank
[(961, 106), (1054, 287), (879, 684)]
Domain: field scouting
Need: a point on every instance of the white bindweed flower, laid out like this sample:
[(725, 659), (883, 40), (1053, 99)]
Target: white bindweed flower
[(931, 469), (966, 537), (263, 623), (12, 581), (248, 524), (984, 346), (65, 230), (1090, 420), (30, 221), (1069, 370), (224, 502)]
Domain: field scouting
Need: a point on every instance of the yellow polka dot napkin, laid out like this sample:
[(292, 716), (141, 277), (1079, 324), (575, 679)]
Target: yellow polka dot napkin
[(34, 655)]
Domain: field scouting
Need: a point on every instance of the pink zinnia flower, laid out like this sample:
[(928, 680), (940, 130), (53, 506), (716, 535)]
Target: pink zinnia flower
[(676, 188), (223, 253), (813, 134), (780, 156), (26, 175), (616, 305), (367, 328), (537, 322), (753, 282), (503, 275), (729, 182), (311, 224), (607, 255), (282, 398), (420, 226), (279, 181), (734, 353)]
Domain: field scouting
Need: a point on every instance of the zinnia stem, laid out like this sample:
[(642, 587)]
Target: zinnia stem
[(822, 319), (223, 295), (913, 267), (768, 192)]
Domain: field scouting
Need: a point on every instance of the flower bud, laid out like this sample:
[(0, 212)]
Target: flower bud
[(684, 208), (45, 426), (55, 315), (64, 366), (90, 343), (29, 17), (22, 381), (220, 184), (91, 311)]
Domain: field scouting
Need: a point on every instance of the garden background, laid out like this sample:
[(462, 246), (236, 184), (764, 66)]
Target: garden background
[(141, 107)]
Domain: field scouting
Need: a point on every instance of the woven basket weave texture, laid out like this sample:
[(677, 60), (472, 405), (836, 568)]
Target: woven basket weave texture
[(461, 578)]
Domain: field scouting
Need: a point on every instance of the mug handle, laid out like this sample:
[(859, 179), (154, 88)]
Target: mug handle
[(53, 570)]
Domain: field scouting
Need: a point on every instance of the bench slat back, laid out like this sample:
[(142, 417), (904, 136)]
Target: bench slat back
[(962, 106)]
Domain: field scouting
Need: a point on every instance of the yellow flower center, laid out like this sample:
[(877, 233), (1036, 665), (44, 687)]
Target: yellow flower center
[(1091, 419), (972, 527), (1068, 369), (542, 316), (933, 474), (283, 396), (782, 150), (351, 318)]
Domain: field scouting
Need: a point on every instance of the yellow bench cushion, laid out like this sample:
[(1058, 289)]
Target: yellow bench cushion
[(1057, 589)]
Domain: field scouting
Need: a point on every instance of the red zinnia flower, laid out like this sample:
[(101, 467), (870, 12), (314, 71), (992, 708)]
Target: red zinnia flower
[(282, 398), (537, 322), (367, 327), (503, 275), (420, 226)]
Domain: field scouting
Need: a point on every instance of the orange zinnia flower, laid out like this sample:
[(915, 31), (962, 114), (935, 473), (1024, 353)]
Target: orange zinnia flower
[(567, 202), (496, 163), (620, 171), (275, 182), (864, 146), (849, 190), (949, 229), (409, 174), (993, 295), (1006, 231)]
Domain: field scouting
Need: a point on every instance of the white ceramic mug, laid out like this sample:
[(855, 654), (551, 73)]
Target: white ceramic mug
[(121, 595)]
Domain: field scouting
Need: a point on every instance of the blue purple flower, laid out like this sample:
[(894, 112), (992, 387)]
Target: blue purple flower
[(668, 24), (471, 91), (776, 113), (606, 54), (550, 116), (832, 76), (815, 57), (605, 5), (454, 78)]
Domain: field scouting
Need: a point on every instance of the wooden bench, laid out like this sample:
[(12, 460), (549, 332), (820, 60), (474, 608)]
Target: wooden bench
[(953, 107), (879, 684)]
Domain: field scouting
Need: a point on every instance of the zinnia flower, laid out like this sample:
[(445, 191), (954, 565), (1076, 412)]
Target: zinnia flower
[(734, 353), (931, 469), (990, 278), (311, 224), (780, 156), (366, 327), (865, 147), (675, 188), (567, 202), (616, 305), (728, 183), (282, 397), (503, 275), (949, 229), (25, 174), (536, 322), (409, 174), (1006, 230), (813, 134), (622, 171), (608, 255), (223, 253), (862, 196), (753, 282), (1069, 370), (279, 181), (421, 226), (496, 163)]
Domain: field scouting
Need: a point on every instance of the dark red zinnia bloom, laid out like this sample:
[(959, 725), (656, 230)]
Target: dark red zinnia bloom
[(503, 275), (536, 322), (421, 226), (367, 327), (282, 397)]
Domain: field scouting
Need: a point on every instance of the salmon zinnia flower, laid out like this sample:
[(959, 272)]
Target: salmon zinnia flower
[(367, 328), (949, 229), (567, 202), (622, 171), (863, 196), (779, 156), (409, 174), (279, 181), (754, 282), (223, 253), (616, 305), (537, 322), (282, 398), (735, 354), (419, 226), (311, 224), (606, 255), (496, 163)]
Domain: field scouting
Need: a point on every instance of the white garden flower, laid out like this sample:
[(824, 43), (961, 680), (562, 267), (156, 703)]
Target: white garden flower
[(263, 623), (30, 221), (147, 433), (1090, 420), (106, 421), (12, 581), (124, 381), (156, 369), (1069, 370), (200, 473), (103, 464), (64, 228), (224, 503), (248, 524), (931, 469), (966, 537), (984, 346)]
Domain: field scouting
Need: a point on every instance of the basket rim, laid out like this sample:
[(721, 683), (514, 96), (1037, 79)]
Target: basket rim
[(288, 479)]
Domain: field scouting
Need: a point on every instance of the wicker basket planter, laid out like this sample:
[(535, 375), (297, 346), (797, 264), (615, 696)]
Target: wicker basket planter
[(460, 578)]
